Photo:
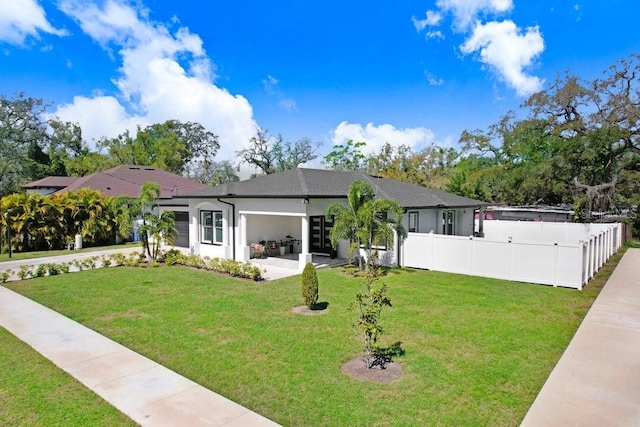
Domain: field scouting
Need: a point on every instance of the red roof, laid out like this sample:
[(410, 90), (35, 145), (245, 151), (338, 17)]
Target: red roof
[(51, 182), (127, 180)]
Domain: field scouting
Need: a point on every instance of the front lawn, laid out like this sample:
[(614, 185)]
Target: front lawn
[(35, 392), (477, 350)]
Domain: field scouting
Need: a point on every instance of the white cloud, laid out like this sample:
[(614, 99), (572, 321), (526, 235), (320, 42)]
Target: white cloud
[(164, 75), (508, 51), (432, 19), (22, 19), (432, 79), (434, 35), (287, 104), (111, 120), (465, 12), (504, 47), (271, 86), (377, 136)]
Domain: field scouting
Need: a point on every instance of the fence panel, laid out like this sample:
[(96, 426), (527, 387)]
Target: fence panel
[(492, 259), (534, 262), (557, 263)]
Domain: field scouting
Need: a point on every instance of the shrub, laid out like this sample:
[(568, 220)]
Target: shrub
[(25, 271), (78, 264), (118, 259), (4, 276), (310, 285), (54, 269), (41, 270), (172, 256), (106, 260), (92, 261)]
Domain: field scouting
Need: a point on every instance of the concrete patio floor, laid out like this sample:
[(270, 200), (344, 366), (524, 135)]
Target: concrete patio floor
[(287, 264)]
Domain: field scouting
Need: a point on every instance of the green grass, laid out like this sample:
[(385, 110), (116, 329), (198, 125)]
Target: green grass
[(477, 350), (41, 254), (34, 392)]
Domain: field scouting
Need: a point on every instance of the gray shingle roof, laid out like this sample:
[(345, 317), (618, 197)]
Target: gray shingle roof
[(320, 183)]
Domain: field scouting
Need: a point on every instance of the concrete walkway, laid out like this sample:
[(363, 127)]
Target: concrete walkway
[(597, 380), (147, 392)]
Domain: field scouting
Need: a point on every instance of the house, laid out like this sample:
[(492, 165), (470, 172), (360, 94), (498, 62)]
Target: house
[(529, 213), (289, 208), (127, 181), (49, 184)]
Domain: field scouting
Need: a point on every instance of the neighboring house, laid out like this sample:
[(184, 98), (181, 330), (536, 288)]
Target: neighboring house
[(225, 220), (528, 213), (49, 184), (127, 181)]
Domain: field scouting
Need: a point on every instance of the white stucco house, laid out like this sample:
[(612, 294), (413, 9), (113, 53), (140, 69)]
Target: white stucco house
[(289, 208)]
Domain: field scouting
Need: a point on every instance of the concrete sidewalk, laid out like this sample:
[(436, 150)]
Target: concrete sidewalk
[(597, 380), (147, 392)]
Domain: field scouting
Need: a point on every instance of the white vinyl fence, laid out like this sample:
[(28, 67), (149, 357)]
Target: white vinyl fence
[(558, 254)]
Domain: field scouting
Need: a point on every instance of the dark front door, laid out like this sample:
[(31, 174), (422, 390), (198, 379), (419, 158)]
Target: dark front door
[(319, 238)]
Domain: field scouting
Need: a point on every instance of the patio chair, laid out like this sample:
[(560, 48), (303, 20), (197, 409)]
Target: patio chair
[(273, 248), (256, 250)]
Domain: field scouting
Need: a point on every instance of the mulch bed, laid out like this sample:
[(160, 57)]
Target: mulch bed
[(303, 309), (357, 368)]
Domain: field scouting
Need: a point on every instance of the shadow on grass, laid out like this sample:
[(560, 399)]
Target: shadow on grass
[(319, 306), (384, 355)]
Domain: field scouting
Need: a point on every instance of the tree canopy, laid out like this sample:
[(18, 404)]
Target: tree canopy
[(577, 141), (271, 155)]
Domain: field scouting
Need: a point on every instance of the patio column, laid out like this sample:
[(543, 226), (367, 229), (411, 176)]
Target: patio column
[(244, 249), (305, 256)]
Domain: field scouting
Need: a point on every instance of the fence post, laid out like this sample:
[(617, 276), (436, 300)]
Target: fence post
[(557, 266)]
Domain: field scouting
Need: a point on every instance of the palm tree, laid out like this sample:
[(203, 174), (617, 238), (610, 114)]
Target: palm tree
[(156, 227), (366, 221)]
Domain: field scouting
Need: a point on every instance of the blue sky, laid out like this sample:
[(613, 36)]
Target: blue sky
[(409, 72)]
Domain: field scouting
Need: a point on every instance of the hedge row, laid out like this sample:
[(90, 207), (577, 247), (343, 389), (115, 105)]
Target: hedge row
[(137, 259)]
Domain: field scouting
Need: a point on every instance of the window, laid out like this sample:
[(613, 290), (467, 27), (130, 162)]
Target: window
[(449, 223), (211, 227), (380, 243), (413, 222)]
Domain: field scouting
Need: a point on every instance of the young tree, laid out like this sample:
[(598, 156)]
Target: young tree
[(274, 155), (369, 305), (154, 227), (365, 221)]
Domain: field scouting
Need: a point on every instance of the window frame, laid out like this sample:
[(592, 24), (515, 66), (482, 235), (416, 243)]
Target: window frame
[(216, 226), (417, 224), (449, 222)]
